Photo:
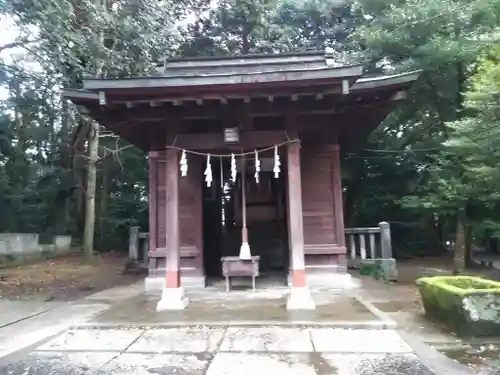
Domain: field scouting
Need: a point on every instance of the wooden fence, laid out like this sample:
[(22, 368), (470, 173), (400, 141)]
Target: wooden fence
[(368, 243), (362, 244)]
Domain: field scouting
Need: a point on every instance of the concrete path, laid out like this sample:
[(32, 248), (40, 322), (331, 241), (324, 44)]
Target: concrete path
[(24, 333), (15, 311), (118, 332), (203, 350)]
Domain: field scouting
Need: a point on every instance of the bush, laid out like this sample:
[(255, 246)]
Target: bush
[(468, 305)]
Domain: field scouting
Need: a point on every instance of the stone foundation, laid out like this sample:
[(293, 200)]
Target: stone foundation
[(155, 284), (172, 299), (341, 281), (300, 299)]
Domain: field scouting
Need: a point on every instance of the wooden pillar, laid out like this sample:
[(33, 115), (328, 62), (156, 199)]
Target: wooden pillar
[(153, 210), (338, 208), (296, 227), (172, 225)]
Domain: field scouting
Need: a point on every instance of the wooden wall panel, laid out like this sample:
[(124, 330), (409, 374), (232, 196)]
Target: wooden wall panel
[(161, 202), (317, 196), (190, 220), (322, 251)]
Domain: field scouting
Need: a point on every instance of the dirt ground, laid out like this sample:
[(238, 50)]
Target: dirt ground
[(65, 278), (411, 269)]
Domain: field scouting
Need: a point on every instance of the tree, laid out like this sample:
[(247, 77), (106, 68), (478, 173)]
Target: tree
[(235, 27), (475, 141), (442, 39), (97, 38)]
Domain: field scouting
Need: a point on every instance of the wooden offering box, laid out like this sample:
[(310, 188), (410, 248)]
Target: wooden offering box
[(234, 266)]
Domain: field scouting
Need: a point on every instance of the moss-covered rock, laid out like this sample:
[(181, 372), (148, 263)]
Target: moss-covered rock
[(468, 305)]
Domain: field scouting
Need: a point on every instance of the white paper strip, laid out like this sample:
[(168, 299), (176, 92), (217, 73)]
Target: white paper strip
[(257, 166), (183, 164), (233, 168), (277, 162), (208, 172)]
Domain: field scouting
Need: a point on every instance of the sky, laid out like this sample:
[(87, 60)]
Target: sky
[(8, 34)]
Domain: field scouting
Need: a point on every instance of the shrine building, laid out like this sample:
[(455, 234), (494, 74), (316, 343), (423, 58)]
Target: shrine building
[(244, 163)]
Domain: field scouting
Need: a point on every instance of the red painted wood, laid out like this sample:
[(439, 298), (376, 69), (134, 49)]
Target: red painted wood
[(172, 279), (172, 225), (295, 206), (152, 162), (161, 201), (298, 278)]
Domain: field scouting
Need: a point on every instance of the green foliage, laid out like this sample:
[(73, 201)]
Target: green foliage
[(371, 269), (464, 174), (444, 38), (431, 157), (42, 155), (43, 162), (268, 26)]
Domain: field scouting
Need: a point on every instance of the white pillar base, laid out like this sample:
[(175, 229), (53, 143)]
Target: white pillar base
[(300, 299), (245, 251), (172, 299)]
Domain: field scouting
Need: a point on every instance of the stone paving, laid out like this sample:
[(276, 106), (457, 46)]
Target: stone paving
[(263, 305), (208, 350)]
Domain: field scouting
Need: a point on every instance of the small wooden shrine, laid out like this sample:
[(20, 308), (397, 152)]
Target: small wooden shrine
[(244, 161)]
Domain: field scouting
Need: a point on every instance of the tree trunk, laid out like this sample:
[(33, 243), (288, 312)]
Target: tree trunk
[(88, 235), (460, 251), (78, 167), (103, 204), (245, 45), (93, 145)]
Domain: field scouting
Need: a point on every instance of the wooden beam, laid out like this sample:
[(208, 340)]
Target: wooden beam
[(301, 91), (278, 107), (210, 141)]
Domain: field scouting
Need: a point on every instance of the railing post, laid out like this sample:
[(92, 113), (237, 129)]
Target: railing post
[(385, 240), (133, 244), (387, 262), (144, 249)]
